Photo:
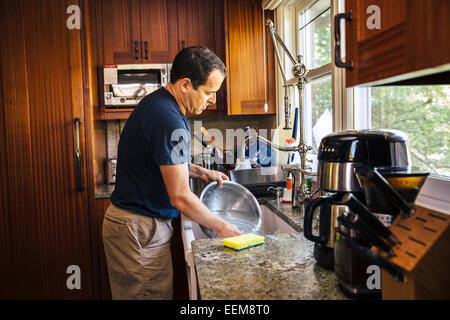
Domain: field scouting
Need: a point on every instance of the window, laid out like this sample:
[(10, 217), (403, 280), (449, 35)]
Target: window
[(314, 34), (313, 43), (422, 112), (306, 29)]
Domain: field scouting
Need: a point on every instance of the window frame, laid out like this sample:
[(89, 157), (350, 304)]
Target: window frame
[(435, 190), (287, 26)]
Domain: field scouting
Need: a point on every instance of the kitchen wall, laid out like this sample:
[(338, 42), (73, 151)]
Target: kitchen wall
[(115, 127)]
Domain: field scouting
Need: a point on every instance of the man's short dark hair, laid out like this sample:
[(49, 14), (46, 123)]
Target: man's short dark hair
[(195, 63)]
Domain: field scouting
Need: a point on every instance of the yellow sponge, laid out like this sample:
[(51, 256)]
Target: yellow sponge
[(243, 241)]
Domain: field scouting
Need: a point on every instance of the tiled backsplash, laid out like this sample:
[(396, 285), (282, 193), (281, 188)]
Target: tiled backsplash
[(113, 130), (268, 122)]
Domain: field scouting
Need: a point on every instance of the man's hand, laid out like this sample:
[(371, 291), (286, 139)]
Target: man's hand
[(176, 179), (212, 175), (227, 230), (206, 175)]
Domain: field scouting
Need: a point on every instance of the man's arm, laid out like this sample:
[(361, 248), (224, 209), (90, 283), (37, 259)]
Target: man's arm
[(176, 179), (207, 175)]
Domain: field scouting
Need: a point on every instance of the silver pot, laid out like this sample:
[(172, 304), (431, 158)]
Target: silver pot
[(257, 175), (259, 180), (234, 204)]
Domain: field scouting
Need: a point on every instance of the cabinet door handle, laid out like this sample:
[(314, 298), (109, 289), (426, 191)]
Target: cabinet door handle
[(80, 185), (136, 50), (337, 37), (183, 43), (146, 49)]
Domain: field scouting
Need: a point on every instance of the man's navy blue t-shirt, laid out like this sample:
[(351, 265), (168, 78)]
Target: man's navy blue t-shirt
[(157, 133)]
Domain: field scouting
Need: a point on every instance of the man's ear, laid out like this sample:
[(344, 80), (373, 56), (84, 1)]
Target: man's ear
[(186, 85)]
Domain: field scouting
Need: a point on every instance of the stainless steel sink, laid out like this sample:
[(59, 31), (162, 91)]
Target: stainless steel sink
[(271, 223)]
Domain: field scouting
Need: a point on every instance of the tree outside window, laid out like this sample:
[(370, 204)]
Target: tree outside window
[(422, 112)]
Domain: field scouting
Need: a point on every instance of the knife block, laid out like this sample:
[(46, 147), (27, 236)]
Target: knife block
[(423, 256)]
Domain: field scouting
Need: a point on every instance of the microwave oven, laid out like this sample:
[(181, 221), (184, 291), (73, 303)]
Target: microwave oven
[(125, 85)]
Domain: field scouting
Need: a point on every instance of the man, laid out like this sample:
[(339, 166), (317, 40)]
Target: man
[(152, 183)]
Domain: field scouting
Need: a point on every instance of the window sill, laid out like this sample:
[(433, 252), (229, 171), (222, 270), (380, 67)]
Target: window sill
[(435, 194)]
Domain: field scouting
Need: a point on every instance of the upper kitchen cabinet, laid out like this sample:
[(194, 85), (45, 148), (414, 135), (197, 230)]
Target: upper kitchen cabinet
[(196, 23), (121, 31), (393, 41), (201, 23), (159, 30), (249, 58), (139, 31)]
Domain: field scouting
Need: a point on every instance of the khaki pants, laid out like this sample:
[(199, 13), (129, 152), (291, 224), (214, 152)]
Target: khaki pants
[(137, 250)]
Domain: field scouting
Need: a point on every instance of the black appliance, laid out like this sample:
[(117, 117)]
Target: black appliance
[(340, 155)]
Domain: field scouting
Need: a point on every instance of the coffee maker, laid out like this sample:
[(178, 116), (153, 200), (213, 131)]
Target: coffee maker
[(340, 154)]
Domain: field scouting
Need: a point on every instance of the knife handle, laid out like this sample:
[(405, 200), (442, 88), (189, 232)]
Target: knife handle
[(357, 207)]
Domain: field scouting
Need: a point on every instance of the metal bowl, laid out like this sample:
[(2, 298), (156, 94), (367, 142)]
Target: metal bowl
[(234, 204)]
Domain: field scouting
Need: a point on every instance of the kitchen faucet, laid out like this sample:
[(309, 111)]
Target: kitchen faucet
[(300, 190)]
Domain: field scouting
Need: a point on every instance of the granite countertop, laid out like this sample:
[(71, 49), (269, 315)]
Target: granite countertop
[(283, 268)]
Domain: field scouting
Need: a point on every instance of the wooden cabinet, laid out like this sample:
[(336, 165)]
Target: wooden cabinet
[(412, 39), (121, 31), (201, 23), (159, 30), (44, 218), (139, 31), (249, 57), (101, 205), (153, 31), (196, 23)]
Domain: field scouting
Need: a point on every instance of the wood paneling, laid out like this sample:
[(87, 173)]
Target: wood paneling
[(392, 14), (121, 30), (413, 36), (159, 27), (245, 36), (95, 145), (45, 224), (375, 53), (200, 23), (150, 24), (383, 55), (180, 281), (196, 23), (101, 205)]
